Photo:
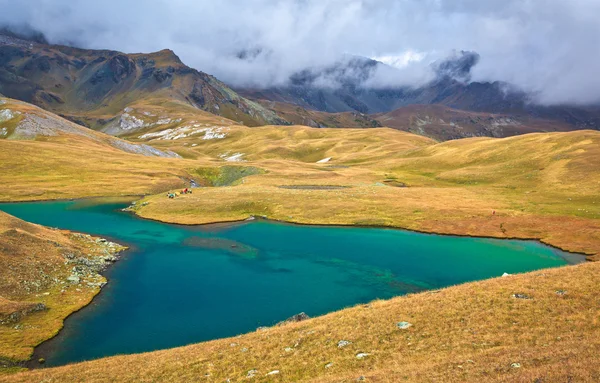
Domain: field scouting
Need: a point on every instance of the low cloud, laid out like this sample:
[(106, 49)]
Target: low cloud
[(546, 47)]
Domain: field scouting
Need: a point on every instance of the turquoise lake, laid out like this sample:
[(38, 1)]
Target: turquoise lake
[(185, 284)]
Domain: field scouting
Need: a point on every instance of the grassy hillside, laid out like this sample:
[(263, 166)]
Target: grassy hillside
[(543, 186), (477, 332), (38, 287), (46, 157)]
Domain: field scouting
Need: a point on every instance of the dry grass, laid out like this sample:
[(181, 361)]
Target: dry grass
[(32, 271), (468, 333), (542, 186)]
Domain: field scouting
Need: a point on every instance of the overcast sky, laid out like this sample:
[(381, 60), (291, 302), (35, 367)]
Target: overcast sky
[(550, 47)]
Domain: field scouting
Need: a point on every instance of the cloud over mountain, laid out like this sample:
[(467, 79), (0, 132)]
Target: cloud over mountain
[(547, 47)]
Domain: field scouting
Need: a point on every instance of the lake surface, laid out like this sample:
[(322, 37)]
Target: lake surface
[(180, 285)]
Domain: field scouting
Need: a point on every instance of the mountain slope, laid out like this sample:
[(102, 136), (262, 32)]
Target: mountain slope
[(37, 287), (476, 332), (45, 156), (358, 84), (93, 86), (443, 123)]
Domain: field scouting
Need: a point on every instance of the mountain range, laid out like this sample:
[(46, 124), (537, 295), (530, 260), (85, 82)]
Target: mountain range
[(98, 88)]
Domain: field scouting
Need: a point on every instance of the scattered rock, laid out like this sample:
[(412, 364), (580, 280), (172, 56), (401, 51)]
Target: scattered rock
[(361, 379), (288, 349), (403, 325), (296, 318), (329, 365), (515, 365), (244, 349), (251, 374), (274, 372), (561, 292), (324, 160), (343, 343), (521, 296), (74, 279), (362, 355)]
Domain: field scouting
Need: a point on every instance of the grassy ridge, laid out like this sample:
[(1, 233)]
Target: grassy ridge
[(33, 270)]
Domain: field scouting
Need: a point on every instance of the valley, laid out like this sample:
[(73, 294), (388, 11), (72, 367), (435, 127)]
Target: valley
[(448, 232)]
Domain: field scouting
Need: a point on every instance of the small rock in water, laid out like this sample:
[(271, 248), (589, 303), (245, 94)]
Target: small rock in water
[(41, 360), (343, 343), (403, 325), (521, 296), (329, 365), (516, 365), (362, 355), (506, 275), (274, 372)]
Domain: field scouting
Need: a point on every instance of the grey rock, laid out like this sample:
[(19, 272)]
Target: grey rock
[(403, 325), (296, 318), (343, 343)]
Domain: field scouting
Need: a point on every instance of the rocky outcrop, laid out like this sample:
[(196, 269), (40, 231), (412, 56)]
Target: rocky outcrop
[(19, 311), (294, 319)]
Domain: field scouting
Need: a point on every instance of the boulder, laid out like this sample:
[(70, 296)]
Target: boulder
[(296, 318)]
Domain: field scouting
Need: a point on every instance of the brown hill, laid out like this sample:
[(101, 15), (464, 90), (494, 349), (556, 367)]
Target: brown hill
[(93, 86)]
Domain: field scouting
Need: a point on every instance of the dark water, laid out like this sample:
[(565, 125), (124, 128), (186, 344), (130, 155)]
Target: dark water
[(181, 285)]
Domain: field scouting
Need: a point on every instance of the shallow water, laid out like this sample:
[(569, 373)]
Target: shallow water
[(182, 285)]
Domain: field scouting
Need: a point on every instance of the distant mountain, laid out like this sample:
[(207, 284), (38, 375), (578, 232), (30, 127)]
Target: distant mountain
[(92, 87), (344, 87), (443, 123)]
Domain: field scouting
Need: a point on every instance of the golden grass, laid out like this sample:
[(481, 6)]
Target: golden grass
[(32, 267), (468, 333), (543, 186)]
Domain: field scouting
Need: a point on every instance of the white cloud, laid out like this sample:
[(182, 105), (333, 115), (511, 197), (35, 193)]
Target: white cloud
[(545, 46)]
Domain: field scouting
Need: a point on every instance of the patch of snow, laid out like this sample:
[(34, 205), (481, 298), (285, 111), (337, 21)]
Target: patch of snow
[(325, 160), (237, 157), (215, 132)]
